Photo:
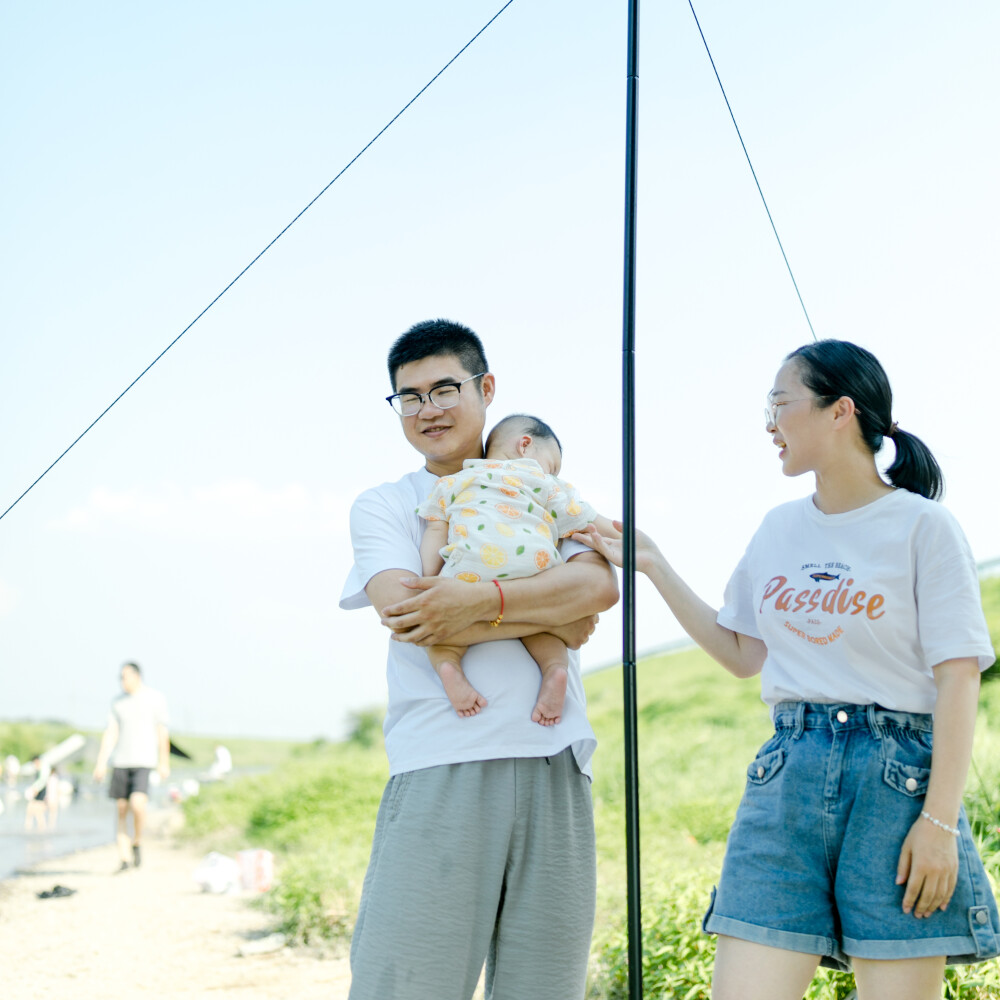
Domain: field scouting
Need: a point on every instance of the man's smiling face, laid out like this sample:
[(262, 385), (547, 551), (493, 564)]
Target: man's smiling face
[(445, 437)]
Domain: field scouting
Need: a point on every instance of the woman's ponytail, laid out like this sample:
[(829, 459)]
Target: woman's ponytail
[(915, 468)]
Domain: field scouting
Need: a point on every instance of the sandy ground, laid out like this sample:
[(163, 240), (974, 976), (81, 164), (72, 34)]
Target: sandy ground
[(148, 932)]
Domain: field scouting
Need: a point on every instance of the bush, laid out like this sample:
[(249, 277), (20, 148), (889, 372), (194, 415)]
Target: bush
[(314, 901), (677, 957)]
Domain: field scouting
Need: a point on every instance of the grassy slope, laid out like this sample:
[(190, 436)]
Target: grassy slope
[(26, 739), (698, 727)]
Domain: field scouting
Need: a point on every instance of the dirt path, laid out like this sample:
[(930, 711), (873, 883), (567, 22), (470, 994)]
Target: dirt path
[(148, 933)]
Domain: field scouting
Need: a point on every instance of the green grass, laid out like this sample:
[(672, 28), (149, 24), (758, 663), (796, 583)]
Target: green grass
[(317, 814), (698, 727), (25, 739), (246, 751)]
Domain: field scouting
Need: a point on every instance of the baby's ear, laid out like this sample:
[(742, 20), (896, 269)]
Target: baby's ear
[(523, 444)]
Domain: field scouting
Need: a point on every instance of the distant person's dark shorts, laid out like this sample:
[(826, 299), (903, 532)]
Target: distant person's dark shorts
[(126, 780)]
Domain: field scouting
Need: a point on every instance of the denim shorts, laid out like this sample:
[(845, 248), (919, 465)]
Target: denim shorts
[(811, 858)]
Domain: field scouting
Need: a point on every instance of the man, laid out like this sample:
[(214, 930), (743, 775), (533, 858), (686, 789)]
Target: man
[(135, 742), (484, 841)]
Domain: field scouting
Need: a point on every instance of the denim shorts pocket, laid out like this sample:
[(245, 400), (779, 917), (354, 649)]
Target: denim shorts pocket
[(766, 766), (907, 778)]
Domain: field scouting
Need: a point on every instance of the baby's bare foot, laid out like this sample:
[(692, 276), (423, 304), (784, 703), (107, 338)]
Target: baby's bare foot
[(465, 699), (551, 697)]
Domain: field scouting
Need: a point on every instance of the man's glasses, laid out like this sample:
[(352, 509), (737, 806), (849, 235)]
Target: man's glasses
[(409, 404)]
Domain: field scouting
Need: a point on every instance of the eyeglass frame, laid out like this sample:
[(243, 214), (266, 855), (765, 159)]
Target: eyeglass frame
[(771, 407), (428, 396)]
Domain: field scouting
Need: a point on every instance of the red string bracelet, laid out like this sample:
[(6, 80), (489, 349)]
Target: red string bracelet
[(499, 618)]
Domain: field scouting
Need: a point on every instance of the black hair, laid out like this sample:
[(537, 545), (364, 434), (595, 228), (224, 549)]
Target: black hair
[(432, 338), (527, 424), (831, 369), (134, 666)]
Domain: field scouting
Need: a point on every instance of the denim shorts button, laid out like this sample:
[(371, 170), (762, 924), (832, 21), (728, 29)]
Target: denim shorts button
[(842, 716), (911, 784), (981, 917), (760, 772)]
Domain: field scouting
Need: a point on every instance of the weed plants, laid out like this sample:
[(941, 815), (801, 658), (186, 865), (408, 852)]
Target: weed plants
[(698, 729)]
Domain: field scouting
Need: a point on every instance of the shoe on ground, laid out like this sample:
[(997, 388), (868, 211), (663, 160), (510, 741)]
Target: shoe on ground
[(123, 867), (55, 892), (136, 855)]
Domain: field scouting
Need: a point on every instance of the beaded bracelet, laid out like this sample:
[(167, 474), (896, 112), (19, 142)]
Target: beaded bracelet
[(499, 618), (944, 826)]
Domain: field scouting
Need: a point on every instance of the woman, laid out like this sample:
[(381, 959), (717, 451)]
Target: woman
[(859, 606)]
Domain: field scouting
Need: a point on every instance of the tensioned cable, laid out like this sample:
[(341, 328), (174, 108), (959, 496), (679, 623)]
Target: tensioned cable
[(385, 129), (752, 171)]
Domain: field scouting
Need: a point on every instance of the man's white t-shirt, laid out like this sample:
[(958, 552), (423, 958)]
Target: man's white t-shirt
[(138, 717), (859, 607), (421, 727)]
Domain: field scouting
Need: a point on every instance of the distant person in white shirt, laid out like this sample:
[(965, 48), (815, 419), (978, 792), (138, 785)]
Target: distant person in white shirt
[(135, 742), (222, 764)]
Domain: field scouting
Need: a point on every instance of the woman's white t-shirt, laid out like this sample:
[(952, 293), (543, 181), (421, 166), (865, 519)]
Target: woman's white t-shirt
[(859, 607)]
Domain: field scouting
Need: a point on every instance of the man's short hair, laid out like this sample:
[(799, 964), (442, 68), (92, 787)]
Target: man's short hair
[(432, 338), (524, 423), (133, 666)]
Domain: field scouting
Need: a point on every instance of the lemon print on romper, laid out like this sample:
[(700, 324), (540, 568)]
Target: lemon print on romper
[(542, 559), (468, 577), (573, 508), (505, 529), (492, 555), (509, 510), (543, 529), (461, 530), (512, 481)]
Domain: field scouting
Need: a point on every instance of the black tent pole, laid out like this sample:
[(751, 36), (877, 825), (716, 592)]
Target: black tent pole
[(628, 499)]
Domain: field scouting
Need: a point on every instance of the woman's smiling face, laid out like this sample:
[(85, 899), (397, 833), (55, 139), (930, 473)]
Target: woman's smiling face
[(793, 421)]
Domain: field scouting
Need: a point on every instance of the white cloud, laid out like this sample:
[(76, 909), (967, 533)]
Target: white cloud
[(230, 509)]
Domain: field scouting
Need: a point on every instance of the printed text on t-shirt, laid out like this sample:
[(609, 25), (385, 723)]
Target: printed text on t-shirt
[(834, 600)]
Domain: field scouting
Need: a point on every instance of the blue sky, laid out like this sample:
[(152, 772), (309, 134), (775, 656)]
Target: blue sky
[(151, 152)]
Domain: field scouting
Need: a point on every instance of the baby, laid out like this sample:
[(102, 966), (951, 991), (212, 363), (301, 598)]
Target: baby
[(499, 519)]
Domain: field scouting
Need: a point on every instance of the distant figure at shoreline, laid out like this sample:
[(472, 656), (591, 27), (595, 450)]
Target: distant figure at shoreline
[(41, 799), (222, 764), (136, 741)]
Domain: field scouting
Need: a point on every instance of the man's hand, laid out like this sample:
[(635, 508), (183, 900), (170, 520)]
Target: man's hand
[(440, 608), (575, 634), (163, 770), (100, 770)]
